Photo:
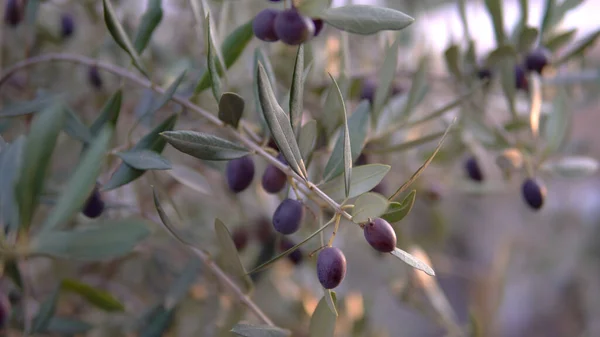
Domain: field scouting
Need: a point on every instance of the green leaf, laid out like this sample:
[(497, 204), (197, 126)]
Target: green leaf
[(31, 106), (10, 166), (559, 40), (423, 167), (387, 74), (297, 91), (150, 20), (364, 178), (151, 141), (145, 160), (75, 128), (109, 113), (67, 326), (231, 108), (347, 149), (178, 289), (579, 47), (527, 38), (507, 80), (398, 210), (494, 8), (120, 36), (82, 182), (99, 298), (366, 20), (556, 126), (445, 108), (572, 167), (452, 57), (410, 144), (307, 139), (412, 261), (279, 124), (546, 24), (204, 146), (37, 154), (159, 321), (166, 97), (231, 259), (369, 205), (167, 222), (419, 84), (231, 49), (103, 241), (313, 8), (253, 330), (357, 125), (322, 322), (333, 118), (330, 298), (190, 178), (261, 58), (45, 313), (213, 74)]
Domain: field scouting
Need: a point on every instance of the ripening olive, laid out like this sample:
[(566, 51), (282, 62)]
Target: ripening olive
[(67, 25), (537, 60), (361, 160), (288, 216), (380, 235), (331, 267), (293, 28), (263, 25), (240, 238), (94, 77), (13, 12), (521, 81), (94, 205), (473, 170), (484, 74), (534, 193), (240, 173), (263, 230), (318, 25), (274, 179), (367, 90), (296, 256)]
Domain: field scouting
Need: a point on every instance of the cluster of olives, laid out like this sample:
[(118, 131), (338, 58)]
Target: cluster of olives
[(14, 12), (240, 173), (535, 61), (287, 26), (532, 189)]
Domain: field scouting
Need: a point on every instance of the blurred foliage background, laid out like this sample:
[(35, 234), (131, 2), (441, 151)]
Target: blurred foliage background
[(501, 269)]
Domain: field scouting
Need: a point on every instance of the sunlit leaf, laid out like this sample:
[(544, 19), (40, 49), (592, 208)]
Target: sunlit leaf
[(347, 148), (322, 322), (313, 8), (232, 261), (231, 108), (150, 20), (364, 178), (368, 205), (494, 8), (331, 302), (261, 58), (204, 146), (535, 108), (297, 91), (253, 330), (99, 298), (579, 47), (366, 20), (572, 167), (398, 210), (412, 261)]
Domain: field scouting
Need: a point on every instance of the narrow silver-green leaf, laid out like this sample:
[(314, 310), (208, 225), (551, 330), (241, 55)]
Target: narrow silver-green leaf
[(409, 144), (557, 124), (97, 297), (358, 124), (494, 8), (572, 167), (546, 24), (231, 108), (369, 205), (150, 20), (45, 312), (75, 128), (399, 210), (387, 74), (37, 154), (82, 181), (527, 38), (322, 322), (453, 59), (164, 98), (31, 106), (67, 326), (559, 40), (213, 74), (102, 241), (418, 85), (109, 113), (232, 261), (330, 298), (297, 91), (10, 164), (412, 261), (366, 20), (307, 139), (364, 178), (145, 160), (347, 149), (204, 146), (253, 330), (279, 124), (579, 47), (120, 36)]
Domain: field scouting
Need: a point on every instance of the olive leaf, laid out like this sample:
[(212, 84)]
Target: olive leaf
[(347, 149), (412, 261), (364, 179), (150, 20), (144, 160), (109, 113), (322, 322), (494, 8), (452, 58), (307, 139), (231, 259), (579, 47), (99, 298), (46, 312), (369, 205), (213, 74), (387, 74), (231, 108), (366, 20), (297, 91), (253, 330), (572, 167), (398, 210), (10, 166), (204, 146), (67, 326)]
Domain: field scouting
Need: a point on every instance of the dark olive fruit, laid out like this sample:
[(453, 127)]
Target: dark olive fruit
[(263, 230), (380, 188), (361, 160), (288, 216), (484, 74), (94, 206), (94, 77), (537, 60), (263, 25), (534, 193), (380, 235), (240, 238), (331, 267), (318, 25), (521, 81), (67, 25), (272, 144), (473, 170), (397, 89), (296, 256), (274, 179), (293, 28), (240, 173), (367, 90), (13, 12)]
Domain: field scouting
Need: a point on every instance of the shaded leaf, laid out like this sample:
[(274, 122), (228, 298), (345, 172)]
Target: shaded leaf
[(546, 24), (297, 91), (179, 288), (452, 58), (10, 166), (261, 58), (232, 261), (557, 124), (31, 106), (364, 178), (204, 146), (145, 160), (231, 108), (99, 298), (190, 178), (347, 149), (82, 182), (575, 166), (75, 128), (398, 210), (150, 20), (231, 49), (67, 326), (579, 47), (109, 113), (527, 38), (417, 88), (45, 312), (120, 36), (164, 98), (330, 299), (368, 205), (151, 141), (322, 322), (313, 8), (333, 118), (279, 124), (253, 330), (103, 241), (387, 74), (559, 40), (366, 20), (494, 8), (409, 144), (158, 322), (412, 261), (307, 139), (213, 74), (37, 154)]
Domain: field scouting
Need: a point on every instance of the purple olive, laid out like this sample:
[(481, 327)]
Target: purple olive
[(67, 25), (240, 238), (473, 170), (240, 173), (274, 179), (521, 81), (13, 12), (331, 267), (534, 193), (263, 25), (94, 205), (380, 235), (293, 28), (295, 257), (288, 216), (94, 77), (318, 26), (537, 60)]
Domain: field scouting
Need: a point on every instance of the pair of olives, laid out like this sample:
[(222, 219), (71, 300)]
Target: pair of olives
[(287, 26)]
